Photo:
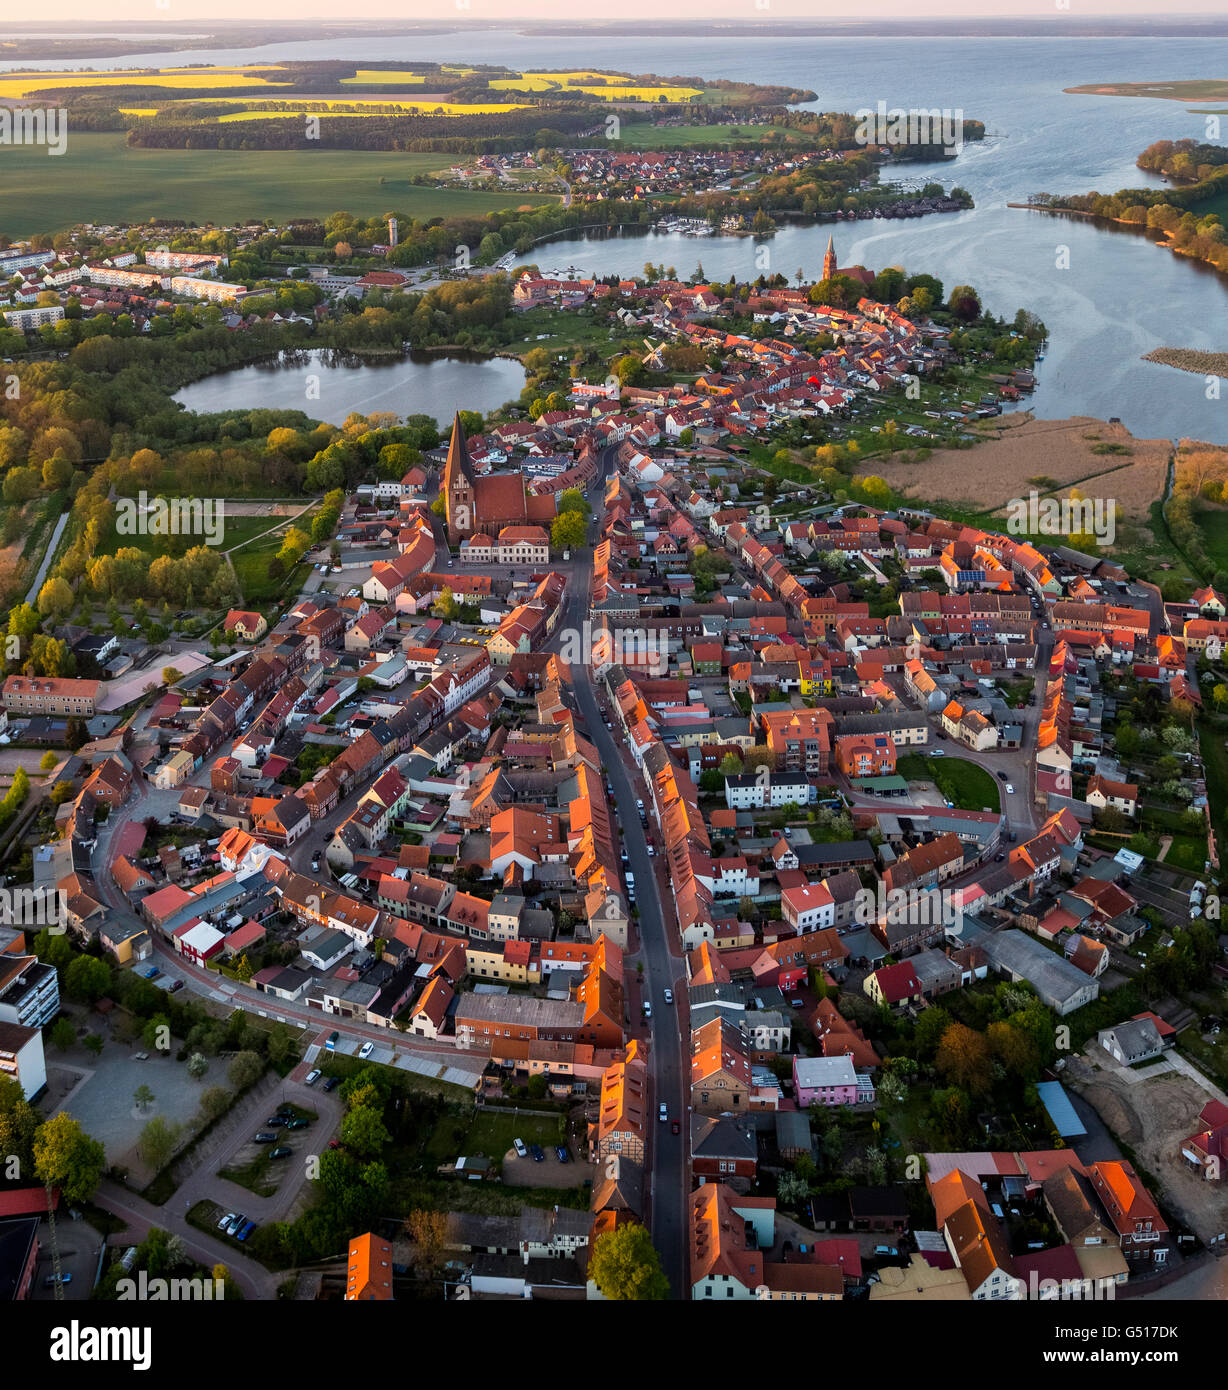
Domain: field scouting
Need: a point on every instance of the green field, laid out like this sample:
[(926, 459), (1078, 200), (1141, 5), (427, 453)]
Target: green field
[(970, 787), (650, 137), (100, 179)]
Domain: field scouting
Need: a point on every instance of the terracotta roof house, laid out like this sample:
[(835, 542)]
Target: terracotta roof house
[(368, 1275)]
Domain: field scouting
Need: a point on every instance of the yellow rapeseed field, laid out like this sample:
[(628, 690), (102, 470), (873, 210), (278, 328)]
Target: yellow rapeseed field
[(400, 79), (171, 79)]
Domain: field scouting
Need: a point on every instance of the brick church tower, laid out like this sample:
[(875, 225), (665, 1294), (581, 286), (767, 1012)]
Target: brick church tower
[(458, 487), (829, 260)]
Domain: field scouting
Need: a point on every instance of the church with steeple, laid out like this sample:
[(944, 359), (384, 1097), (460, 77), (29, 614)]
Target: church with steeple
[(476, 505), (832, 268)]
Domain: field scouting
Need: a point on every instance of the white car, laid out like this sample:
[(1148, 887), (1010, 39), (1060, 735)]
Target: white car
[(366, 1049), (312, 1077), (1010, 791), (669, 996), (226, 1220), (663, 1112), (521, 1151), (647, 1009)]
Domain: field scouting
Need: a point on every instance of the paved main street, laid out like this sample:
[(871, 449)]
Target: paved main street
[(657, 937)]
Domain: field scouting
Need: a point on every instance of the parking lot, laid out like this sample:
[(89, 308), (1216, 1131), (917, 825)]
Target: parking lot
[(261, 1167), (80, 1245)]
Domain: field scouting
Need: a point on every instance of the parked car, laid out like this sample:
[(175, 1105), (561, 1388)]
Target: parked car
[(247, 1228), (236, 1223), (264, 1136), (647, 1009), (297, 1123), (312, 1077), (226, 1220), (1010, 791), (331, 1043), (561, 1154), (538, 1155), (151, 973), (332, 1083), (519, 1146), (366, 1049), (1002, 776), (50, 1281), (280, 1152), (178, 985), (274, 1120)]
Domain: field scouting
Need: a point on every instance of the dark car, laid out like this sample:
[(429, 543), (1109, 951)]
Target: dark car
[(562, 1154), (675, 1128), (280, 1152), (274, 1120), (245, 1230), (264, 1137), (1001, 776), (538, 1155), (286, 1111), (295, 1123), (332, 1083), (178, 985)]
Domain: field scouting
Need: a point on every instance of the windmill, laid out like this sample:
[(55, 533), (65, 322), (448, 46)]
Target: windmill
[(653, 359)]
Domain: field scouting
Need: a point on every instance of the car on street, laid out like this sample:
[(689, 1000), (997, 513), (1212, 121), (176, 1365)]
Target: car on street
[(538, 1155), (280, 1152), (651, 850), (669, 996), (50, 1281), (560, 1152), (940, 752), (675, 1128), (312, 1077), (663, 1112), (647, 1009), (1010, 791), (264, 1136), (998, 858), (1001, 776), (366, 1049), (519, 1146)]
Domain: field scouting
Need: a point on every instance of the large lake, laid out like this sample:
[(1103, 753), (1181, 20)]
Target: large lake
[(329, 385), (1119, 297)]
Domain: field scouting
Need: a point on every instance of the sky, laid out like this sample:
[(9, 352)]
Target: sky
[(169, 13)]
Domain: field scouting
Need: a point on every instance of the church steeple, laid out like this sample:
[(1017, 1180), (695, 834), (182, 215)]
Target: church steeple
[(458, 453), (459, 486), (829, 260)]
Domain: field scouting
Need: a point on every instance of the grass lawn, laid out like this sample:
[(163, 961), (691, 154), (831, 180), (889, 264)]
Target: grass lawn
[(255, 1176), (1187, 852), (970, 787), (1211, 736), (488, 1132), (100, 179), (1213, 523), (650, 137)]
